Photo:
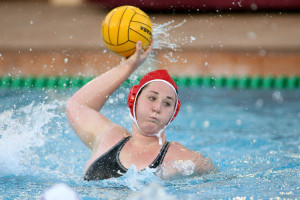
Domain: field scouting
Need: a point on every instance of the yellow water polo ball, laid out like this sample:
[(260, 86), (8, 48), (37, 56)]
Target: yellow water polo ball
[(123, 27)]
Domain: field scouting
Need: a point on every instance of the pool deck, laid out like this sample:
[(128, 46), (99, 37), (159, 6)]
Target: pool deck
[(37, 38)]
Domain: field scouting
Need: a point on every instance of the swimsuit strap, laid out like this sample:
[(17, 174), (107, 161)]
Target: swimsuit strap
[(160, 157)]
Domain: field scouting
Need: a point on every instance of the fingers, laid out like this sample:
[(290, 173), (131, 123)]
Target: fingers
[(152, 43), (138, 55), (150, 47), (138, 47), (139, 44)]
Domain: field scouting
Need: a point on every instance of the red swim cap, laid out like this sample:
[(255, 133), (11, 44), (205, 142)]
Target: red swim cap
[(158, 75)]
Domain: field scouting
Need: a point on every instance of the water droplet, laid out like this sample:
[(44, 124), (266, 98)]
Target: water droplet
[(189, 108), (238, 122), (262, 52), (111, 101), (121, 96), (252, 35), (206, 123), (192, 39), (66, 60), (240, 3), (259, 103), (276, 96), (253, 7)]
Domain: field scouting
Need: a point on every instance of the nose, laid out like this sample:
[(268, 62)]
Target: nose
[(156, 107)]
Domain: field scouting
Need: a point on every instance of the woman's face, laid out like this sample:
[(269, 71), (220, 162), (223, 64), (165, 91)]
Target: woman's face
[(155, 107)]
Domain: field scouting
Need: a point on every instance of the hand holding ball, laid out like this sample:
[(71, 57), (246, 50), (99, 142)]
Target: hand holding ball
[(123, 27)]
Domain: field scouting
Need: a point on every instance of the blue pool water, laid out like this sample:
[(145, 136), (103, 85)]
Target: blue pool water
[(252, 136)]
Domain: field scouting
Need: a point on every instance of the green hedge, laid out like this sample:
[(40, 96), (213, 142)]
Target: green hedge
[(256, 82)]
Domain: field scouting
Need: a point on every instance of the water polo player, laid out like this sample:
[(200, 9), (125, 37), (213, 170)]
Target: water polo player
[(153, 105)]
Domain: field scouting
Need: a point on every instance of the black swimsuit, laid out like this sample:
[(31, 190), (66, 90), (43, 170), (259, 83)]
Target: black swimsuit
[(108, 165)]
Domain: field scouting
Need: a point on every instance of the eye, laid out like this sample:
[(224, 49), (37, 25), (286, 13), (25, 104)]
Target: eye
[(167, 104), (151, 98)]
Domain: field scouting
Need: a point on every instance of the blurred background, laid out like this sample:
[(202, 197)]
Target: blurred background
[(217, 37)]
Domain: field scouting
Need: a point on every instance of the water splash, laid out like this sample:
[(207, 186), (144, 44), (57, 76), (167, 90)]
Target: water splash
[(161, 33), (60, 192), (153, 191), (137, 180), (22, 131), (162, 40)]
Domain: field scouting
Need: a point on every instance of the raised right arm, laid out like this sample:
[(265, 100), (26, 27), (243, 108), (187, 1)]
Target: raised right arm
[(83, 108)]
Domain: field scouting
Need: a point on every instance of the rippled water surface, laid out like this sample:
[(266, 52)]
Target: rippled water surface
[(251, 135)]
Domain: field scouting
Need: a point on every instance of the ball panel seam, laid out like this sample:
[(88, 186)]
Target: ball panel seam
[(119, 26), (139, 34), (109, 26), (143, 24)]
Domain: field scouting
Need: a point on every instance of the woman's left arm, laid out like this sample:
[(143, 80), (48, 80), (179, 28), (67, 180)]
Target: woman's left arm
[(181, 161)]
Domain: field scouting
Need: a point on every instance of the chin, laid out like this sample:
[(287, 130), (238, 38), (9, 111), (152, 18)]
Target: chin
[(148, 135), (150, 131), (150, 128)]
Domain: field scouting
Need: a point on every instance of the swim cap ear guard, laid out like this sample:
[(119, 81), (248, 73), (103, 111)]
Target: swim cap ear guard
[(131, 97), (158, 75)]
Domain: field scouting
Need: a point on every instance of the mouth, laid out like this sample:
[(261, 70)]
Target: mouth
[(153, 119)]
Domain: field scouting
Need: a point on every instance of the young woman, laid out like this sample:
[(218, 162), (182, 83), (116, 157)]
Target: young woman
[(153, 104)]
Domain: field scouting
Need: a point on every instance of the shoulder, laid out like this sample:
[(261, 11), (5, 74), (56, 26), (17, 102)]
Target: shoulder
[(179, 152), (110, 136), (180, 159)]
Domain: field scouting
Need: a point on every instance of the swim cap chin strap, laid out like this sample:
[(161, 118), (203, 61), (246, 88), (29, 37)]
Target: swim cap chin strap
[(158, 134)]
